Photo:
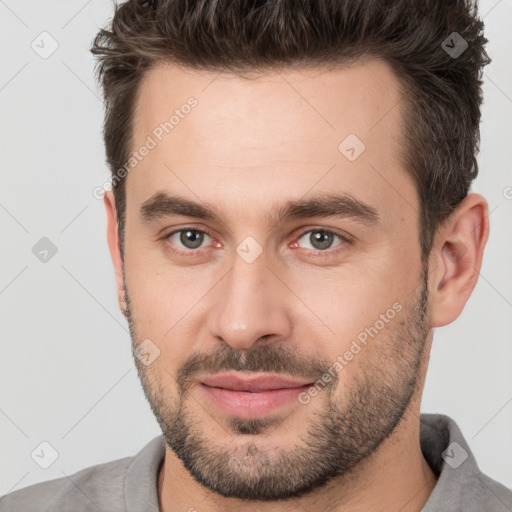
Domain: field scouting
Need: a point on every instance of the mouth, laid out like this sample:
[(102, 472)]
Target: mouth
[(251, 396)]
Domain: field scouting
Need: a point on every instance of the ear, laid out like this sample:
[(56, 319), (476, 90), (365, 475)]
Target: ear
[(456, 259), (114, 247)]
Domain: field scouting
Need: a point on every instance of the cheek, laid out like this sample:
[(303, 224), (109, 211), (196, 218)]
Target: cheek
[(166, 300), (360, 303)]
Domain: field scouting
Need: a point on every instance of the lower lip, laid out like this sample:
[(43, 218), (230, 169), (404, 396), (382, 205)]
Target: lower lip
[(244, 404)]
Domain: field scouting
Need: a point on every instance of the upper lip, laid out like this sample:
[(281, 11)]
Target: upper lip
[(252, 383)]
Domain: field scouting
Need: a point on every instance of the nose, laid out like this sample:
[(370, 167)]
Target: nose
[(252, 304)]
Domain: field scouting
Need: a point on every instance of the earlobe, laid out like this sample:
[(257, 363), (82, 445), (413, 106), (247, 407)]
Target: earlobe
[(456, 259), (114, 247)]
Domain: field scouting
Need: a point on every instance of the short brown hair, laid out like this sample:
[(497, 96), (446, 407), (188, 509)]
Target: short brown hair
[(416, 37)]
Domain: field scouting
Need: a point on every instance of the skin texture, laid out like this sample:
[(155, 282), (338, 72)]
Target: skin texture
[(248, 147)]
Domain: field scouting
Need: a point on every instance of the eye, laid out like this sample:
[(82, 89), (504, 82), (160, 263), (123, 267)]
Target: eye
[(188, 238), (319, 239)]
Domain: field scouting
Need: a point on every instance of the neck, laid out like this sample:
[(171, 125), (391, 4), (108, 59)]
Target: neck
[(395, 477)]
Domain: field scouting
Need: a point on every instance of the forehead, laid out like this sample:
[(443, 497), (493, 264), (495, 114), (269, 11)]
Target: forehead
[(292, 130)]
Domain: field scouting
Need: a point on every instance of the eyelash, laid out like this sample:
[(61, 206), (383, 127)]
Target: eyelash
[(344, 241)]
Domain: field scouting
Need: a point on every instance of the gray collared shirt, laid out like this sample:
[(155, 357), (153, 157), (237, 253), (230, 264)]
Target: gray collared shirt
[(130, 484)]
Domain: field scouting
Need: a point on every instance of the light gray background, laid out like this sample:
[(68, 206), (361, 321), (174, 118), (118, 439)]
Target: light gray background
[(66, 373)]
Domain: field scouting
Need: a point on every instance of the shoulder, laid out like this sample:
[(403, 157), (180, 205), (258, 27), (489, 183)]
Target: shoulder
[(492, 494), (461, 484), (99, 487)]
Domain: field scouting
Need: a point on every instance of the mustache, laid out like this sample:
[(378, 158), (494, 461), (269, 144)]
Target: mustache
[(272, 358)]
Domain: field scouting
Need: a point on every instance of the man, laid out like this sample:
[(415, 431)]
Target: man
[(289, 221)]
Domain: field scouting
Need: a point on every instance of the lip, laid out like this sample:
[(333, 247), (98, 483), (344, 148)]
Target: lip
[(254, 383), (251, 396)]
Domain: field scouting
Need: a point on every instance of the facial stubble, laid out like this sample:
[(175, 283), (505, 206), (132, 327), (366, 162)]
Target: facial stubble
[(343, 430)]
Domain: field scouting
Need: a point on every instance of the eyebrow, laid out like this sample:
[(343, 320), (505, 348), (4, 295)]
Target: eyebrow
[(162, 205)]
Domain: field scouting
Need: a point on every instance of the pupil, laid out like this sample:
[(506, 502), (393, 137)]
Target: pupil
[(191, 239), (321, 240)]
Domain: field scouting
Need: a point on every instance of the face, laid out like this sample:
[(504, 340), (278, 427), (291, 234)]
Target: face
[(273, 266)]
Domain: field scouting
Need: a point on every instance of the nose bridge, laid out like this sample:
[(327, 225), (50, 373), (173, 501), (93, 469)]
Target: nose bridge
[(250, 304)]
